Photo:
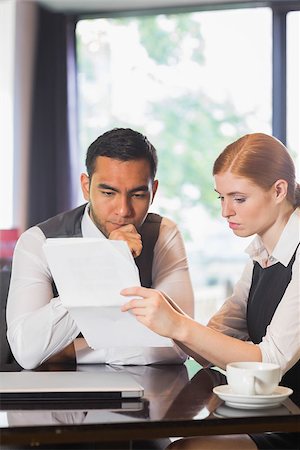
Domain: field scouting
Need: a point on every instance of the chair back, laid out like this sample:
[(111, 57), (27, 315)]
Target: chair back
[(5, 273)]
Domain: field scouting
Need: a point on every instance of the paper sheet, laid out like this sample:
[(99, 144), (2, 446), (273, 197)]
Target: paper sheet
[(89, 274)]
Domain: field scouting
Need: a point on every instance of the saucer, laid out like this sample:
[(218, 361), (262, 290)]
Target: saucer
[(252, 401), (227, 411)]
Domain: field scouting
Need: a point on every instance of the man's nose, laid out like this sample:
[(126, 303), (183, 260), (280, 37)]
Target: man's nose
[(124, 207)]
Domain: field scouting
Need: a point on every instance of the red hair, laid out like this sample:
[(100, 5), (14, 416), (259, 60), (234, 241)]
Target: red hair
[(262, 159)]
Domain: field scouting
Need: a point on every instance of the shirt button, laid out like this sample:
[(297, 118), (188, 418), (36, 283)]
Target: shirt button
[(271, 258)]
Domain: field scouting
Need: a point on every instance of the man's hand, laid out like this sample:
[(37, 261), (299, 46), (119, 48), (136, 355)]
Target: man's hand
[(129, 234)]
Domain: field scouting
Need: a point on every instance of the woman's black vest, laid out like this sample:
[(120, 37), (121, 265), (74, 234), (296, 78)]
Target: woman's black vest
[(267, 289)]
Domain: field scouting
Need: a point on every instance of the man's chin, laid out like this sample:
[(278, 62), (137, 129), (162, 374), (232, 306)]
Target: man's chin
[(112, 228)]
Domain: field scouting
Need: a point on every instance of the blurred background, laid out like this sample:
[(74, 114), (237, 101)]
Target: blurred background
[(191, 75)]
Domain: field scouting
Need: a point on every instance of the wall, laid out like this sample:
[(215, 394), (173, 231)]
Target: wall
[(7, 32), (25, 34), (17, 44)]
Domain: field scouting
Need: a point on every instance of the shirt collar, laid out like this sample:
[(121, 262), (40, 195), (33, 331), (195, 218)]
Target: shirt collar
[(284, 248), (88, 227)]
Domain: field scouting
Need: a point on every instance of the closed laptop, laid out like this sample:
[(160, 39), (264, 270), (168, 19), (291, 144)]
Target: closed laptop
[(68, 385)]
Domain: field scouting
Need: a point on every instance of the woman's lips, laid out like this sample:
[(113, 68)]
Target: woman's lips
[(233, 225)]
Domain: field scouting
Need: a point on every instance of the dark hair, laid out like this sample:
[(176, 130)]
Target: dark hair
[(262, 159), (123, 144)]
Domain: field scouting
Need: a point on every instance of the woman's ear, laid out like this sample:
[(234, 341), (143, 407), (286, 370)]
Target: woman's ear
[(85, 186), (281, 190)]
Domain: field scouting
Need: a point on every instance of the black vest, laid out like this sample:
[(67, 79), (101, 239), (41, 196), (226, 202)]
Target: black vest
[(68, 224), (267, 289)]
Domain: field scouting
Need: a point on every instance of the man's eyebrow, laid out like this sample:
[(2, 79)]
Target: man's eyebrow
[(108, 187), (143, 188)]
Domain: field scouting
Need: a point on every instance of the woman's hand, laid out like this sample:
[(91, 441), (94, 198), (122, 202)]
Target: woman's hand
[(153, 310)]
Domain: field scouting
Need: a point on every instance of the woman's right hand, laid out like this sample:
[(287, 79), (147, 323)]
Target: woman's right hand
[(153, 310)]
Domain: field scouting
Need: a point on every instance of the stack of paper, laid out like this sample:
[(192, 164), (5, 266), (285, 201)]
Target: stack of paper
[(89, 274)]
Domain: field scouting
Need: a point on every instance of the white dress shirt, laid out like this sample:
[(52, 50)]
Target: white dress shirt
[(38, 324), (281, 344)]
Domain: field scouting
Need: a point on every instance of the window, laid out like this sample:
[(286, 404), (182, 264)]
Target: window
[(192, 82), (7, 10), (293, 87)]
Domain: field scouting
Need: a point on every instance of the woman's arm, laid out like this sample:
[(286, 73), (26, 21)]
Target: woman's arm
[(153, 310)]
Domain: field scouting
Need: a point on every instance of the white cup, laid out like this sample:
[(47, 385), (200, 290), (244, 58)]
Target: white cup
[(253, 378)]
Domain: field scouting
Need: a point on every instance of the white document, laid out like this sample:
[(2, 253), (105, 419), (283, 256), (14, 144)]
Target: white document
[(89, 274), (90, 271)]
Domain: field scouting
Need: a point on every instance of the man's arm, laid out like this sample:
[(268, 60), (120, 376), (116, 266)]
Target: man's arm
[(170, 271), (38, 325), (170, 274)]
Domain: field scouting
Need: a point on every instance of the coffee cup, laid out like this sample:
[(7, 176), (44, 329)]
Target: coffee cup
[(253, 378)]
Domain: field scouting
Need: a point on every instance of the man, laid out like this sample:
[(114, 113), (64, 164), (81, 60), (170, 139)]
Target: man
[(119, 187)]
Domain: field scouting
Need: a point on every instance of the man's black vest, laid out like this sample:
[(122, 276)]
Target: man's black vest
[(68, 224)]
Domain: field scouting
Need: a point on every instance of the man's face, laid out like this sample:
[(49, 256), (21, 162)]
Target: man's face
[(119, 192)]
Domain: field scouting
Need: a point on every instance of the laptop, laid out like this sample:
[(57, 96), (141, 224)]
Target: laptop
[(68, 386)]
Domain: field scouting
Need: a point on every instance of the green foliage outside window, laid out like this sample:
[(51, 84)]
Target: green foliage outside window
[(191, 127)]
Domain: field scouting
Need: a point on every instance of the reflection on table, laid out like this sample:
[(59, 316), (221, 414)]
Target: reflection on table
[(174, 404), (168, 391)]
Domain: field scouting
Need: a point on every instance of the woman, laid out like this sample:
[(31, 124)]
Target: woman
[(255, 181)]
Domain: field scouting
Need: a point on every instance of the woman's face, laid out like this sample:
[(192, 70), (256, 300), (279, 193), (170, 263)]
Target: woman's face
[(247, 207)]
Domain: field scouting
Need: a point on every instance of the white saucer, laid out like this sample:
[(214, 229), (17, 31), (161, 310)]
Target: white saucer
[(227, 411), (252, 401)]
